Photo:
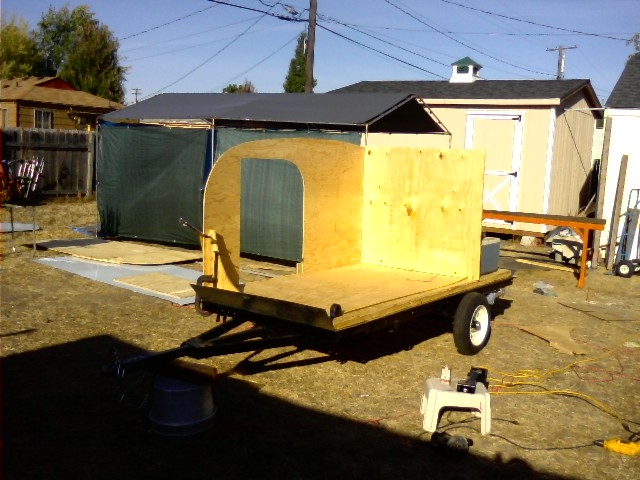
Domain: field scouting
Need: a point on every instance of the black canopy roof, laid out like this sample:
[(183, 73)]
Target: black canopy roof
[(375, 112)]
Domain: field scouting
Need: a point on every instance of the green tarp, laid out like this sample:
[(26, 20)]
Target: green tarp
[(150, 176), (147, 178)]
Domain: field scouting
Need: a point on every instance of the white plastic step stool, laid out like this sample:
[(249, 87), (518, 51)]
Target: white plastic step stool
[(440, 396)]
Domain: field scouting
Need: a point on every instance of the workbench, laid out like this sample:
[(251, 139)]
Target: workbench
[(582, 225)]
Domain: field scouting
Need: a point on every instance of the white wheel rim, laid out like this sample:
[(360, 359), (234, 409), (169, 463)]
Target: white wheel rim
[(479, 325), (624, 269)]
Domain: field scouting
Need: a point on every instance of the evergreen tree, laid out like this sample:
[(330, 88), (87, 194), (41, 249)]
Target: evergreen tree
[(19, 56), (296, 78)]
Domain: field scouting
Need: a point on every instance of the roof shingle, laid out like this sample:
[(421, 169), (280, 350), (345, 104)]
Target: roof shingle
[(626, 93)]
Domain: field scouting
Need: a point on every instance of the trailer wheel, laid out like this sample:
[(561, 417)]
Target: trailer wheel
[(472, 324), (625, 269)]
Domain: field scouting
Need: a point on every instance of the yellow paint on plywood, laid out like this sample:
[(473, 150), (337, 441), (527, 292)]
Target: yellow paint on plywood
[(422, 210)]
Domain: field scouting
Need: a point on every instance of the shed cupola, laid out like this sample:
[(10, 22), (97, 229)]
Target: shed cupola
[(465, 70)]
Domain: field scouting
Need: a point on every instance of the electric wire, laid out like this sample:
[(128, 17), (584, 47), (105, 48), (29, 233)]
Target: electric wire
[(324, 27), (182, 37), (167, 23), (466, 45), (510, 380), (291, 40), (579, 32), (208, 59), (388, 42)]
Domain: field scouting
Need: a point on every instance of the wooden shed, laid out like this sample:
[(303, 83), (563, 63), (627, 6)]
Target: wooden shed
[(537, 135)]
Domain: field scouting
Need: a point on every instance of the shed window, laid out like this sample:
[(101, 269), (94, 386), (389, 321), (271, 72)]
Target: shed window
[(463, 69), (43, 119)]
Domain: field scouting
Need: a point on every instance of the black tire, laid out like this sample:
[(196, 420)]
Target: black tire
[(472, 324), (625, 269)]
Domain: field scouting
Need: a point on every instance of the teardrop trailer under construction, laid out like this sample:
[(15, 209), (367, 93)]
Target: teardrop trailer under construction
[(387, 235)]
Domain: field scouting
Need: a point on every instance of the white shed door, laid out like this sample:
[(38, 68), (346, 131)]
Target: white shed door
[(500, 136)]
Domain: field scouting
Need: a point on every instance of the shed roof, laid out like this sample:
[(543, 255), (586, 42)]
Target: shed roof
[(521, 92), (51, 90), (626, 93), (394, 112)]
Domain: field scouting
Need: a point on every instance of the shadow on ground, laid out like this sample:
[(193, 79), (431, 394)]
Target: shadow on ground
[(62, 419)]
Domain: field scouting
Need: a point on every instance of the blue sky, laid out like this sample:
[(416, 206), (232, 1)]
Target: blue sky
[(202, 46)]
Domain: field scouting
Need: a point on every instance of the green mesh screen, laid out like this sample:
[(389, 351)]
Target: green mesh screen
[(271, 209), (149, 177)]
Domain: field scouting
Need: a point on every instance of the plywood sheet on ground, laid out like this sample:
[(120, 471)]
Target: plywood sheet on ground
[(121, 252), (160, 283), (559, 337), (353, 288), (107, 273)]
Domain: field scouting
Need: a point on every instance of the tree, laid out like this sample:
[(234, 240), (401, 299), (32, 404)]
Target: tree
[(95, 47), (296, 77), (82, 51), (58, 32), (19, 56), (246, 87)]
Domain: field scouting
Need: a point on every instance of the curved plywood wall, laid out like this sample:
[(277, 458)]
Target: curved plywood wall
[(332, 174)]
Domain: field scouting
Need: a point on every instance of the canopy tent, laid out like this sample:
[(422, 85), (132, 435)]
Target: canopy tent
[(154, 157)]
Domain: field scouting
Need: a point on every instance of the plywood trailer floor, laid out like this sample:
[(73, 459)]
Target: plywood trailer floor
[(342, 298)]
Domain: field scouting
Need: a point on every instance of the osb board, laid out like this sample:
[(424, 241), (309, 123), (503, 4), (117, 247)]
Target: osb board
[(121, 252), (332, 175), (353, 287), (160, 283), (423, 210)]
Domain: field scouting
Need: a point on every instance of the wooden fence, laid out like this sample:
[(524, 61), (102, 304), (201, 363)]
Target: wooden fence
[(69, 157)]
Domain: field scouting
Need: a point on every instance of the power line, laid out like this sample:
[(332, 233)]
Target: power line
[(379, 51), (212, 56), (460, 42), (450, 2), (168, 23), (291, 40)]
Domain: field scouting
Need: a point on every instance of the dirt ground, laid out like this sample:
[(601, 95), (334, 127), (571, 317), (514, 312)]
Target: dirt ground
[(305, 414)]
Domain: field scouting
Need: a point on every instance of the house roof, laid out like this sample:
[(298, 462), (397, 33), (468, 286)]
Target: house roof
[(397, 112), (51, 90), (626, 93), (504, 92)]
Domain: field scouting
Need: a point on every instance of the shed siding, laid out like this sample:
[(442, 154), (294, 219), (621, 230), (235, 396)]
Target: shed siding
[(571, 158), (533, 167)]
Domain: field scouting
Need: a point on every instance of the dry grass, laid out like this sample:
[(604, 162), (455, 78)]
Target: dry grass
[(306, 414)]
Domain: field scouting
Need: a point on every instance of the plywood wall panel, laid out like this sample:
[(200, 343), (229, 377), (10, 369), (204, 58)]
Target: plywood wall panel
[(422, 210)]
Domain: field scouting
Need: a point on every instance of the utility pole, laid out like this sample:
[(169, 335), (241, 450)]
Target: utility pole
[(136, 92), (311, 42), (560, 49)]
